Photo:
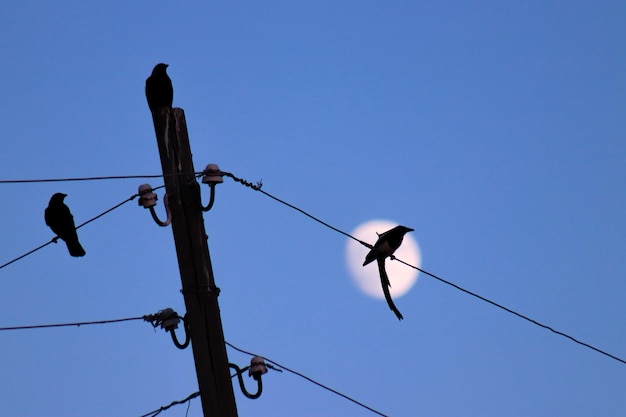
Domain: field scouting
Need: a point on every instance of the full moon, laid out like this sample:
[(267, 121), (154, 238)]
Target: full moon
[(366, 278)]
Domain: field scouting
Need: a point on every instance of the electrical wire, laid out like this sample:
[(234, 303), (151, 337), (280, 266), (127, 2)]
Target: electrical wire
[(153, 318), (173, 403), (257, 187), (508, 310), (56, 238), (148, 317), (78, 324), (188, 405), (27, 253), (107, 177), (315, 218), (310, 380)]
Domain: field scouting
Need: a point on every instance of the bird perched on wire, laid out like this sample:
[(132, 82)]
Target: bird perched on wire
[(384, 247), (61, 221), (159, 90)]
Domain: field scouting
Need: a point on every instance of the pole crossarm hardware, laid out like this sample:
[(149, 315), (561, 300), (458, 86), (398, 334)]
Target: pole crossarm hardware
[(194, 262)]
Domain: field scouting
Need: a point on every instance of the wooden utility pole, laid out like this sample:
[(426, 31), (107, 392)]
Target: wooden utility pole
[(194, 262)]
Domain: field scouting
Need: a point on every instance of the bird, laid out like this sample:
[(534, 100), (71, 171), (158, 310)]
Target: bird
[(159, 90), (384, 247), (61, 221)]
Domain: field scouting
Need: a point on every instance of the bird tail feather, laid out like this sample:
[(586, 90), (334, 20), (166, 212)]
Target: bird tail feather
[(384, 280), (75, 249)]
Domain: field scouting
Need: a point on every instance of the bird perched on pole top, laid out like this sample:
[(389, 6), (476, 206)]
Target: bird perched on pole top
[(61, 221), (384, 247), (159, 90)]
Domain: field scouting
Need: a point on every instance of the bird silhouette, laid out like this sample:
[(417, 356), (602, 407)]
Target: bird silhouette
[(384, 247), (159, 90), (61, 221)]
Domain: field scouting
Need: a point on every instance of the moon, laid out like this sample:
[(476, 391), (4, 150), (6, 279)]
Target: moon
[(366, 278)]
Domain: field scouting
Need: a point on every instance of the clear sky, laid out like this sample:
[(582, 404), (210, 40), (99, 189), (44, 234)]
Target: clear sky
[(495, 129)]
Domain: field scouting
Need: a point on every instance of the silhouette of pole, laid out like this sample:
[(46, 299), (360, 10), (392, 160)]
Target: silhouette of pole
[(194, 262)]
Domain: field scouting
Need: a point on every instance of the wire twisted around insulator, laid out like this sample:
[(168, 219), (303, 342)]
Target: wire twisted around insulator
[(256, 186), (168, 319)]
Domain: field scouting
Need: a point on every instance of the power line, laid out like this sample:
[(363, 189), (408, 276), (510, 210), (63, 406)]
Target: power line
[(148, 317), (257, 187), (173, 403), (154, 319), (151, 318), (56, 238), (27, 253), (100, 178), (77, 324), (196, 394), (131, 198), (310, 380), (508, 310)]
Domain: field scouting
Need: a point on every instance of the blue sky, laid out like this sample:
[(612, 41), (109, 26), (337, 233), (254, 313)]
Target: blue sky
[(494, 129)]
